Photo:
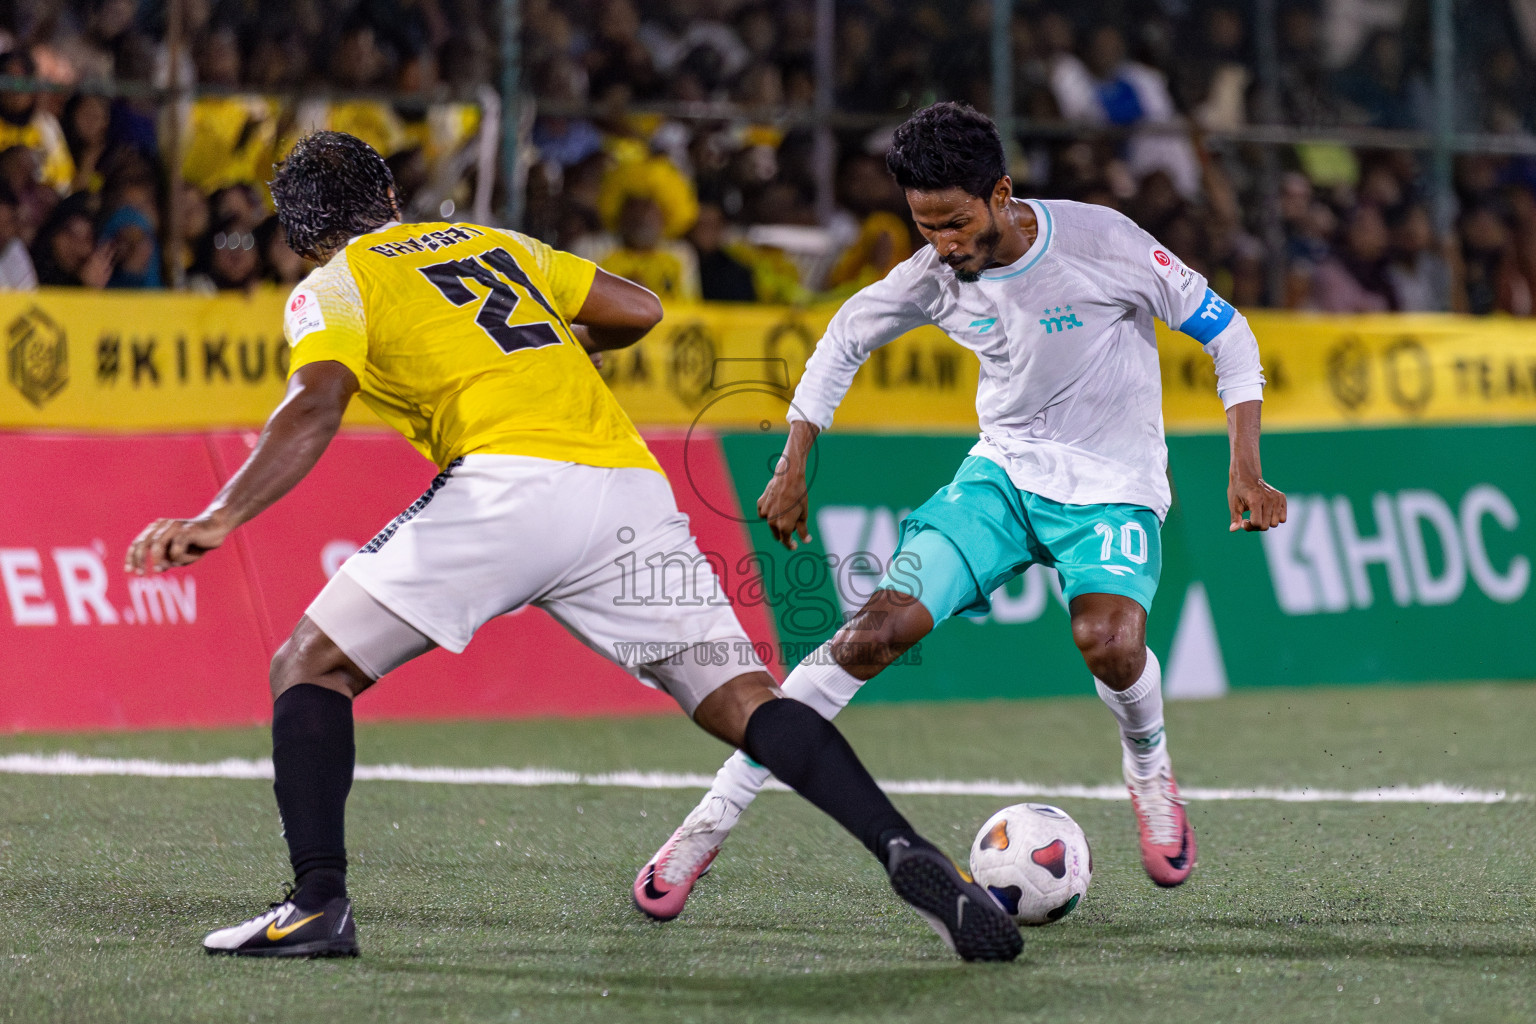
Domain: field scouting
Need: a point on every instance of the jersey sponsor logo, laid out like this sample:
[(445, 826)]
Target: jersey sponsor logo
[(304, 316), (985, 324), (1060, 322), (1167, 266)]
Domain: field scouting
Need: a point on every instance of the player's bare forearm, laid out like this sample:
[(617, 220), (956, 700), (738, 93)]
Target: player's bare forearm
[(1246, 489), (294, 438), (616, 314), (785, 503)]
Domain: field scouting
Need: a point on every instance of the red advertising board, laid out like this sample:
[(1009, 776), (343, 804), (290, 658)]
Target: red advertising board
[(88, 647)]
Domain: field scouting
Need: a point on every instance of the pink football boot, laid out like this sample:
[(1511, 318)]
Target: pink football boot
[(1167, 840), (663, 885)]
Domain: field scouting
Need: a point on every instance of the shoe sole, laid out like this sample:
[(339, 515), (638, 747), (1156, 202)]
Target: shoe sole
[(317, 950), (982, 932)]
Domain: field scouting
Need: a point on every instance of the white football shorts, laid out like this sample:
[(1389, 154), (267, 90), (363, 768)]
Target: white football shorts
[(604, 551)]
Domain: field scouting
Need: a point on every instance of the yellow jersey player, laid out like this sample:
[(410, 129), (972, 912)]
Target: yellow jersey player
[(475, 344)]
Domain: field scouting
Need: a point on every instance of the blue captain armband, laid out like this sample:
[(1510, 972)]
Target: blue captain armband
[(1210, 320)]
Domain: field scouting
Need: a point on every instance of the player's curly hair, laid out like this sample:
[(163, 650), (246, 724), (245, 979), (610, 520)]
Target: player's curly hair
[(947, 145), (332, 187)]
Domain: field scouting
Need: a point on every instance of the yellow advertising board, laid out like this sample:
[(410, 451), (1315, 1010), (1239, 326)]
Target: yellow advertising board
[(79, 360)]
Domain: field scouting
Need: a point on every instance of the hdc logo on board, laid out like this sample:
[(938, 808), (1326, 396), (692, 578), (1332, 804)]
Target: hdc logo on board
[(72, 585), (1319, 560)]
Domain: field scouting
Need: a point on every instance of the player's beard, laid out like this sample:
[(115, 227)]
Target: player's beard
[(986, 247)]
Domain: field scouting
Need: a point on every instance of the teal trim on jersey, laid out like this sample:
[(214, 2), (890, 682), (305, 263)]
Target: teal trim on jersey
[(1049, 231), (992, 531), (1214, 315)]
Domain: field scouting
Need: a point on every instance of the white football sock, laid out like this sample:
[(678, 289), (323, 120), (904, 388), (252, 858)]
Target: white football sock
[(818, 681), (1140, 713)]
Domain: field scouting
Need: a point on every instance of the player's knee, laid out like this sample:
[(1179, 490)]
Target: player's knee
[(309, 656), (724, 713), (1112, 645), (888, 625)]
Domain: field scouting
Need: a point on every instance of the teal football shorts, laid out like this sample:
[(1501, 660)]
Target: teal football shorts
[(980, 531)]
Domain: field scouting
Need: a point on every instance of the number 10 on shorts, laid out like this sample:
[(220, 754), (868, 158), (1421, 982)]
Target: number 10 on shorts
[(1133, 542)]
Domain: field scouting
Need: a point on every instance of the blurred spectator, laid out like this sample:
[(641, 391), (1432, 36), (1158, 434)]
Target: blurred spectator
[(657, 179), (228, 259), (1419, 274), (1212, 81), (16, 272), (1104, 87), (565, 140), (1376, 90), (638, 80), (34, 200), (280, 264), (130, 226), (722, 277), (131, 235), (644, 255), (883, 239), (1490, 278), (237, 204), (24, 122), (87, 119), (1356, 280), (194, 216), (229, 137), (65, 251), (1305, 98)]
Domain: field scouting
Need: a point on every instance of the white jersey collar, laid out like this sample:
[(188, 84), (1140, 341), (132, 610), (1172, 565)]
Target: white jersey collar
[(1044, 229)]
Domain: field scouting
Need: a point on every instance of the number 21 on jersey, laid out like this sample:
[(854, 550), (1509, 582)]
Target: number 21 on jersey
[(497, 271)]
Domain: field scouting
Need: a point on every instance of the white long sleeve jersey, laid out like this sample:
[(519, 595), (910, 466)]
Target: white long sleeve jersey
[(1070, 396)]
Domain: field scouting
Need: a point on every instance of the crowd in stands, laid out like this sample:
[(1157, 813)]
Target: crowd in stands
[(624, 167)]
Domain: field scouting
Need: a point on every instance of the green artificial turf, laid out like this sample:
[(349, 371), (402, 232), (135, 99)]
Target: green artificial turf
[(487, 903)]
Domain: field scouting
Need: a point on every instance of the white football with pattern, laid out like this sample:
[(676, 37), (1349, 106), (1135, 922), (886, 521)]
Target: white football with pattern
[(1034, 859)]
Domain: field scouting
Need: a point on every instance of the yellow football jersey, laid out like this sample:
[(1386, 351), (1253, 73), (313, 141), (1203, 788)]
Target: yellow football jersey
[(460, 339)]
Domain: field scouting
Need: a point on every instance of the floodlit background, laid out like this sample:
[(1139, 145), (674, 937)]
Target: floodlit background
[(1332, 155)]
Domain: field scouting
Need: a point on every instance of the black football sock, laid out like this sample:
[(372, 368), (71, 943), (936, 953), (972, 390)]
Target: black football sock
[(811, 757), (312, 759)]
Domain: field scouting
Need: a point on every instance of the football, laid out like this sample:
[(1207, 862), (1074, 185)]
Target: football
[(1035, 860)]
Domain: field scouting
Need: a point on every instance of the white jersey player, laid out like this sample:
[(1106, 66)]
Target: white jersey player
[(1057, 300)]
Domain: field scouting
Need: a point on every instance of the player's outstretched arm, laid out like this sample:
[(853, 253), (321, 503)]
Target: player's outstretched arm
[(786, 501), (616, 314), (1246, 489), (293, 440)]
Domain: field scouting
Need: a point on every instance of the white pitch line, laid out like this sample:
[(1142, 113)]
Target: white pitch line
[(249, 768)]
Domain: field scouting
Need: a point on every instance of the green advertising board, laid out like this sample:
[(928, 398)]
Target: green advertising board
[(1406, 558)]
